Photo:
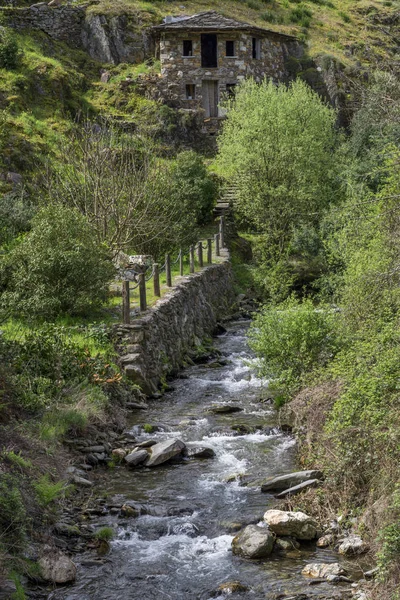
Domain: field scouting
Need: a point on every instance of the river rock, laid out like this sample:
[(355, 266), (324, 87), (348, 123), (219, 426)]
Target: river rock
[(283, 545), (119, 453), (323, 570), (7, 589), (232, 587), (283, 482), (164, 451), (82, 481), (310, 483), (253, 542), (57, 567), (147, 444), (133, 509), (296, 524), (225, 409), (326, 540), (136, 458), (200, 452), (352, 545)]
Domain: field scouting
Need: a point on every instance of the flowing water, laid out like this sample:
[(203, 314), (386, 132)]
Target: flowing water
[(181, 549)]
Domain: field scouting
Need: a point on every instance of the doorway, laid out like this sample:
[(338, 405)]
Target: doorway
[(210, 98), (209, 59)]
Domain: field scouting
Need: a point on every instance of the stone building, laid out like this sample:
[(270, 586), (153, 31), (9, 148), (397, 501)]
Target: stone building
[(203, 58)]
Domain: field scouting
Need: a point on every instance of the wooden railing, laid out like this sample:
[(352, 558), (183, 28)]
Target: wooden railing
[(216, 243)]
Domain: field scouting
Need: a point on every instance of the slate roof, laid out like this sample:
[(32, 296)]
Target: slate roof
[(213, 21)]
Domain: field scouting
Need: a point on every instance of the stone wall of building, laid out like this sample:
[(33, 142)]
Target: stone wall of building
[(158, 342), (181, 70)]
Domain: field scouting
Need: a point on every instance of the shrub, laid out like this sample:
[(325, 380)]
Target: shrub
[(47, 491), (291, 340), (9, 50), (58, 268), (105, 534)]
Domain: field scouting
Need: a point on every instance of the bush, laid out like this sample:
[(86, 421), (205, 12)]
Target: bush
[(291, 340), (58, 268), (47, 491), (9, 50)]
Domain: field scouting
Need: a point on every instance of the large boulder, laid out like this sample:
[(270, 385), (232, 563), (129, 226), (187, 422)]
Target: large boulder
[(253, 542), (323, 570), (283, 482), (136, 457), (352, 545), (57, 567), (164, 451), (200, 452), (295, 524)]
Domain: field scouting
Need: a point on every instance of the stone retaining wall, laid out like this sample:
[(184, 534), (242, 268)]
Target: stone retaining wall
[(158, 342)]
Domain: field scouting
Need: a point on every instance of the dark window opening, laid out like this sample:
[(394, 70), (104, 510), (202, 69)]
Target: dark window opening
[(209, 50), (231, 90), (187, 48), (230, 48), (190, 91), (256, 48)]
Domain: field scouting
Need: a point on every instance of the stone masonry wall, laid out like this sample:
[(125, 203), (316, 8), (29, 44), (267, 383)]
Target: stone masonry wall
[(158, 342), (180, 70)]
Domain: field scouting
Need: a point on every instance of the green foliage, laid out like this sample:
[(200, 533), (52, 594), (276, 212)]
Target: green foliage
[(16, 459), (292, 339), (105, 534), (59, 267), (13, 518), (9, 51), (276, 148), (48, 491), (389, 554), (15, 216)]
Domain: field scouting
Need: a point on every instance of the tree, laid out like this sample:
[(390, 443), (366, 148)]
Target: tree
[(134, 201), (58, 267), (277, 149)]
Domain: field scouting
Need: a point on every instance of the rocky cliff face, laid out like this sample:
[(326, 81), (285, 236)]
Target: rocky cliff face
[(107, 39)]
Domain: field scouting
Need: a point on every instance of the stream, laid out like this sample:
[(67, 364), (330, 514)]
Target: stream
[(181, 549)]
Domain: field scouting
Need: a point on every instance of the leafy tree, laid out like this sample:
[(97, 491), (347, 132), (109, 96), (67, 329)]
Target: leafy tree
[(277, 149), (58, 267)]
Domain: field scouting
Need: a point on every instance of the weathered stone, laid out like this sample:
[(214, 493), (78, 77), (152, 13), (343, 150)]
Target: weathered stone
[(225, 409), (232, 587), (119, 453), (200, 452), (283, 482), (95, 449), (136, 458), (293, 491), (133, 509), (147, 444), (352, 545), (56, 567), (323, 570), (253, 542), (82, 481), (164, 451), (283, 545), (7, 589), (326, 540), (136, 405), (296, 524)]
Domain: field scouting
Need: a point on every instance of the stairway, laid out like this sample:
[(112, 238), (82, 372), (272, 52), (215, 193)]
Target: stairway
[(226, 200)]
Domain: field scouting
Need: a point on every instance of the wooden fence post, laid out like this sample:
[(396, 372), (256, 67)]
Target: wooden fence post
[(126, 303), (156, 280), (217, 252), (200, 253), (209, 251), (222, 231), (142, 292), (191, 259), (181, 262), (168, 270)]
